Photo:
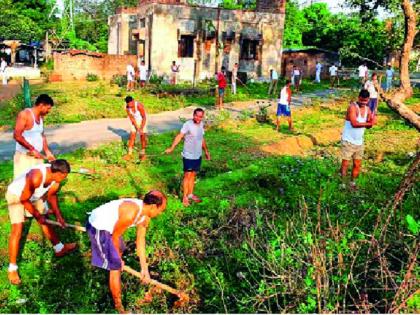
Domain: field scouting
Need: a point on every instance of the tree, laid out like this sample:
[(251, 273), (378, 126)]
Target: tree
[(294, 26)]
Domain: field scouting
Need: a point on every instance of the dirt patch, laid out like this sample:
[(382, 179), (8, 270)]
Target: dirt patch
[(9, 91), (326, 136), (290, 146)]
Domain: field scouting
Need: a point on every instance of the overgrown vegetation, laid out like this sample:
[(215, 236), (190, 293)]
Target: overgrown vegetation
[(275, 233)]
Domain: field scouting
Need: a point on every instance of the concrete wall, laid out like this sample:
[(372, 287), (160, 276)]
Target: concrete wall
[(172, 20), (77, 67)]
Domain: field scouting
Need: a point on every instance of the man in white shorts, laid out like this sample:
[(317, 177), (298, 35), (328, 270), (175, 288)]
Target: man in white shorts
[(137, 116), (131, 73)]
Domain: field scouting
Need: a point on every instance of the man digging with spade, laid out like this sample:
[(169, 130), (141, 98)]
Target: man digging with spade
[(107, 224), (28, 192)]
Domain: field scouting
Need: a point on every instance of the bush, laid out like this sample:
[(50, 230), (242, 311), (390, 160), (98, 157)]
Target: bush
[(120, 80), (91, 77), (154, 79)]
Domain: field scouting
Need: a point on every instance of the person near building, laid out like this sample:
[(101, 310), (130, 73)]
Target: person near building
[(358, 118), (363, 73), (194, 143), (29, 136), (234, 77), (26, 197), (106, 227), (389, 78), (3, 67), (174, 73), (283, 105), (131, 76), (318, 70), (137, 116), (373, 88), (274, 77), (297, 77), (333, 75), (221, 84), (142, 74)]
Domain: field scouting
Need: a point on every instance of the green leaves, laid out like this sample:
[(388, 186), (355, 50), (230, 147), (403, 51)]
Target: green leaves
[(412, 224)]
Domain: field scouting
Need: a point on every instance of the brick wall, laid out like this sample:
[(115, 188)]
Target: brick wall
[(76, 67), (272, 6)]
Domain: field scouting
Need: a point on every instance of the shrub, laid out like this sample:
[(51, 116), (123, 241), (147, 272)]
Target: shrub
[(120, 80), (91, 77)]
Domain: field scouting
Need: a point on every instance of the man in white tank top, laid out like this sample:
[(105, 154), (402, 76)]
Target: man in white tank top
[(27, 193), (106, 226), (137, 116), (358, 118), (29, 136)]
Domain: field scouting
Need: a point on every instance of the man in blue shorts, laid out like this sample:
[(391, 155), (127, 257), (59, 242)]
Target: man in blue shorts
[(193, 134), (283, 106)]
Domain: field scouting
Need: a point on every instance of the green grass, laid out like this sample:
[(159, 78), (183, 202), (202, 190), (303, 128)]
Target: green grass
[(253, 244)]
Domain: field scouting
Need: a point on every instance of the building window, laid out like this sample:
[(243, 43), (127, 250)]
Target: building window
[(186, 46), (249, 49)]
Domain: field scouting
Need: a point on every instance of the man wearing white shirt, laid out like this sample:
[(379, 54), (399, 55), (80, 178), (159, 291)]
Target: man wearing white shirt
[(363, 73), (274, 77), (3, 66), (373, 87), (333, 75), (318, 69), (130, 77), (143, 74)]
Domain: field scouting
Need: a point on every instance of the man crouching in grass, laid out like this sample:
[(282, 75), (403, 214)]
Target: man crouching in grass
[(106, 226), (193, 133)]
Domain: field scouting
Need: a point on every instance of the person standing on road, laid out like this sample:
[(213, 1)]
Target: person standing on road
[(333, 75), (143, 74), (389, 78), (358, 118), (29, 136), (194, 143), (318, 70), (26, 197), (131, 75), (137, 116), (274, 77), (234, 77), (3, 66)]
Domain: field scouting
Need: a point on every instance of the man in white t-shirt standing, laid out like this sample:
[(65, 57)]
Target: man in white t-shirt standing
[(143, 74), (318, 69), (194, 143), (130, 77), (3, 66), (274, 77), (333, 75), (283, 105), (363, 73)]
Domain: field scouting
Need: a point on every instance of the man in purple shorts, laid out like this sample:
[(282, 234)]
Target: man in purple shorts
[(105, 228), (283, 106)]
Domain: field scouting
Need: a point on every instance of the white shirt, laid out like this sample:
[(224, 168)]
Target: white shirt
[(363, 71), (318, 67), (284, 97), (333, 70), (3, 65), (296, 72), (130, 72), (193, 140), (143, 72), (355, 135), (274, 75), (373, 93)]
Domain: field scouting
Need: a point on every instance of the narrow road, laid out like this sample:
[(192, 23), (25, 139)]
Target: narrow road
[(88, 134)]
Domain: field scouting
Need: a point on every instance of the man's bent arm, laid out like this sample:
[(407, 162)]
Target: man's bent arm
[(177, 140)]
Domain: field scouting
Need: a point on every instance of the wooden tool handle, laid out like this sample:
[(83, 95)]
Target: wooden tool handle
[(76, 227), (152, 282)]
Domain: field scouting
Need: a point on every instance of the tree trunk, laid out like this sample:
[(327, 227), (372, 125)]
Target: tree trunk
[(396, 101)]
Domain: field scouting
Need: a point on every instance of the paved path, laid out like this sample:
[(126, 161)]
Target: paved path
[(88, 134)]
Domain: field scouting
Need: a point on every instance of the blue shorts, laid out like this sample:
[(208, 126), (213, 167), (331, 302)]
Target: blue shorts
[(221, 91), (283, 110), (191, 165)]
